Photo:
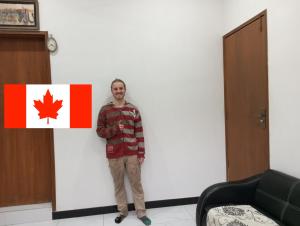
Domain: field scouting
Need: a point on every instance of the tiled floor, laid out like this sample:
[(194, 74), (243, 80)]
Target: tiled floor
[(25, 213), (167, 216)]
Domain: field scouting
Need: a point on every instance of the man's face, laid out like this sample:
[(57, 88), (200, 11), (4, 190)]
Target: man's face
[(118, 90)]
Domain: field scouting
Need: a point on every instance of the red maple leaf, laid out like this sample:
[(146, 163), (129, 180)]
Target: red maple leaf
[(48, 109)]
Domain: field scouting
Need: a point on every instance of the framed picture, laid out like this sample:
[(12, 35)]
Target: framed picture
[(19, 15)]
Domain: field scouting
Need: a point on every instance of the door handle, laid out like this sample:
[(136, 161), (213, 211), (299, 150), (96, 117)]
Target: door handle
[(262, 116)]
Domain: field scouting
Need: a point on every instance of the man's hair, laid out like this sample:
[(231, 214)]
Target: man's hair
[(117, 80)]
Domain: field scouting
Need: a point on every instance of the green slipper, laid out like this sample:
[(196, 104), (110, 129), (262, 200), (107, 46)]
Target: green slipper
[(145, 220)]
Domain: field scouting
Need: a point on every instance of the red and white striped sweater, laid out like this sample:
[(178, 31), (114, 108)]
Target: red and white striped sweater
[(129, 141)]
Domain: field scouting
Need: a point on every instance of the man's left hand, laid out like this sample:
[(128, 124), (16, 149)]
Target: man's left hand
[(141, 160)]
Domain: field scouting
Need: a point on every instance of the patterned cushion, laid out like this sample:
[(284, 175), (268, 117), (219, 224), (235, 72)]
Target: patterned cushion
[(239, 215)]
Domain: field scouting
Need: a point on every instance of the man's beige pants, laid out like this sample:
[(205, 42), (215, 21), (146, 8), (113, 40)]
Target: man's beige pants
[(131, 166)]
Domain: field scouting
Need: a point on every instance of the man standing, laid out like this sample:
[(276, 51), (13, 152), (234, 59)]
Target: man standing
[(120, 123)]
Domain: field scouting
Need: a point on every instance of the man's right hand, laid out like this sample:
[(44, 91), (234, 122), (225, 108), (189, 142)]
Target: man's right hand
[(121, 126)]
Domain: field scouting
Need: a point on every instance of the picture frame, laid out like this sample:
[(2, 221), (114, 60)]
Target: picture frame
[(19, 15)]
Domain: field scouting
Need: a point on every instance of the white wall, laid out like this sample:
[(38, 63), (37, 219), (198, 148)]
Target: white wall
[(170, 54), (284, 69)]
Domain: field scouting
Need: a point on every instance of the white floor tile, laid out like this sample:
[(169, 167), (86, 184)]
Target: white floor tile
[(44, 223), (3, 219), (168, 214), (25, 207), (96, 220), (191, 209), (26, 216), (181, 223)]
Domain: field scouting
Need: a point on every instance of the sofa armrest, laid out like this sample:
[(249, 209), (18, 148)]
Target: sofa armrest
[(227, 193)]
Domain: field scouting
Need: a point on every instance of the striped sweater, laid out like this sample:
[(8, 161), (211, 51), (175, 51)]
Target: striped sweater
[(129, 141)]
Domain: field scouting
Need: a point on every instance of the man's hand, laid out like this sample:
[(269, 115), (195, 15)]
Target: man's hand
[(141, 160), (121, 126)]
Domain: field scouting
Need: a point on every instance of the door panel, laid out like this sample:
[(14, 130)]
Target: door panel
[(246, 99), (26, 155)]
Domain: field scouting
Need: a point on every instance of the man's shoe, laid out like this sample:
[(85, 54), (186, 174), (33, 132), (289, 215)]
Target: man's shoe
[(145, 220), (119, 219)]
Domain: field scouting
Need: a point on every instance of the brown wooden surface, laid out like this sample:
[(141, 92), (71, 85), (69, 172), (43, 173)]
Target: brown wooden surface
[(246, 95), (26, 155)]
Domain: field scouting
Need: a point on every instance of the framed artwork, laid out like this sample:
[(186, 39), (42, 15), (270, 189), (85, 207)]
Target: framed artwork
[(19, 15)]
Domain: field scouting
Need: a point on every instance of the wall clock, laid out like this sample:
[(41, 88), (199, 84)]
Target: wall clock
[(51, 44)]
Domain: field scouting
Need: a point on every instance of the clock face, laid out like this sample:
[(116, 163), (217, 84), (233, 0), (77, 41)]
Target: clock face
[(51, 44)]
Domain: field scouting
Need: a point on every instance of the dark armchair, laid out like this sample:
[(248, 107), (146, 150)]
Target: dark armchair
[(273, 193)]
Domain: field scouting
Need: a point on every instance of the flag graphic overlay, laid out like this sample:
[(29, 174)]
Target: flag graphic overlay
[(47, 106)]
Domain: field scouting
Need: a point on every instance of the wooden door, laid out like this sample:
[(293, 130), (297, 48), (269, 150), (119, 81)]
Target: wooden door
[(26, 155), (246, 99)]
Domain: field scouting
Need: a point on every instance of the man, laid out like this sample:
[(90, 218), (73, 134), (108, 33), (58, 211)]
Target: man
[(120, 123)]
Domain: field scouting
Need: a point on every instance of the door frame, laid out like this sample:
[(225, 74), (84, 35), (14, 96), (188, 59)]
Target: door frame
[(261, 14), (44, 36)]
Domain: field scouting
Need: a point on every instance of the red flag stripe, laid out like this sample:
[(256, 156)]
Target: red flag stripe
[(15, 106), (80, 106)]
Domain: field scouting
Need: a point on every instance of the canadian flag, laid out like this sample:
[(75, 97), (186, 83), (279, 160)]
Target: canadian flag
[(47, 106)]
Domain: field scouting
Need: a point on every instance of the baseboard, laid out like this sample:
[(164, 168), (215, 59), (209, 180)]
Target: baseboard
[(113, 209)]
